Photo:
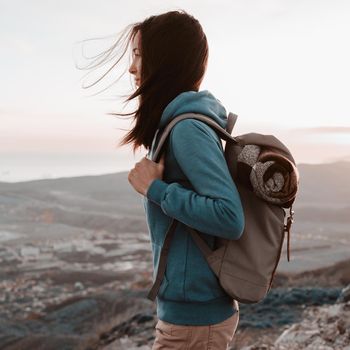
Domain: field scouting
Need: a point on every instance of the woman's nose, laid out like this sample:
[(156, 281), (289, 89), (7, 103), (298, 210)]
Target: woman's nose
[(132, 69)]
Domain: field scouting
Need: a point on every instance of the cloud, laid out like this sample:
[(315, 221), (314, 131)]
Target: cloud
[(19, 45), (323, 130)]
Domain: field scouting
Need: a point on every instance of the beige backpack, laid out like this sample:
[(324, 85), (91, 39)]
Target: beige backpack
[(267, 180)]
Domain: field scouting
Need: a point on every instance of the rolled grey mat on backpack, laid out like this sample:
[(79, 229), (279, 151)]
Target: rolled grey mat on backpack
[(271, 176)]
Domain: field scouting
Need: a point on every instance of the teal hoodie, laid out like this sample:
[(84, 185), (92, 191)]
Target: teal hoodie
[(197, 190)]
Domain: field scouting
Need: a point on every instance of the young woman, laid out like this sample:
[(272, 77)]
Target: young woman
[(191, 182)]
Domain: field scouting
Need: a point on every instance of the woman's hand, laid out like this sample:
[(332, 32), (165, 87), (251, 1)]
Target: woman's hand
[(144, 172)]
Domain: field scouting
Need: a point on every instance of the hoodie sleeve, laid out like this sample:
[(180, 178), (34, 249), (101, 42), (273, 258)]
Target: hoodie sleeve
[(214, 206)]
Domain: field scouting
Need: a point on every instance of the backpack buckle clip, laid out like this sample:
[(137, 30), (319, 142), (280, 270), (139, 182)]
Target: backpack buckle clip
[(287, 227)]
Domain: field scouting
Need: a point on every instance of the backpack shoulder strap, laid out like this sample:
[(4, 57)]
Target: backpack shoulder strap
[(231, 121), (153, 292), (209, 121)]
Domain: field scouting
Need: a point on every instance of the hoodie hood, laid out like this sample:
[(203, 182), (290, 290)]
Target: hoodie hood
[(202, 102)]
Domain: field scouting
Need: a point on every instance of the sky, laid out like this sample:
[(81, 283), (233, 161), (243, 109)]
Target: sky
[(281, 65)]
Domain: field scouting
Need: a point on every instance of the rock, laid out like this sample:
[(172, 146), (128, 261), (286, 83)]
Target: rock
[(341, 326), (78, 285), (344, 295), (322, 328), (125, 343), (296, 334)]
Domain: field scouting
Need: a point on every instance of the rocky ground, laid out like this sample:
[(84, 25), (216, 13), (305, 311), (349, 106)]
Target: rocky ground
[(75, 269), (87, 294), (87, 303), (321, 328), (325, 327), (288, 318)]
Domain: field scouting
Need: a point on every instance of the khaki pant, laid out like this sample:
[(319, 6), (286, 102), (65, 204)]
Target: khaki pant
[(212, 337)]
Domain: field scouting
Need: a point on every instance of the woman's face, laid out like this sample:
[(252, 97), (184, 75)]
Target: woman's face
[(135, 67)]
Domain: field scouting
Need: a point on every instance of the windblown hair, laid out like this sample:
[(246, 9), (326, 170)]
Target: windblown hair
[(174, 56)]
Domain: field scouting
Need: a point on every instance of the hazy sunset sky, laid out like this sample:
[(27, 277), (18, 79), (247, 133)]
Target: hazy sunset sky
[(281, 65)]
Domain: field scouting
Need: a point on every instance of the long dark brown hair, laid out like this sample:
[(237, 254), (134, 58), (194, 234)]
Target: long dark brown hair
[(174, 56)]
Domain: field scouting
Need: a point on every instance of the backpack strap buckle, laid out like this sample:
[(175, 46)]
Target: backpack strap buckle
[(287, 229)]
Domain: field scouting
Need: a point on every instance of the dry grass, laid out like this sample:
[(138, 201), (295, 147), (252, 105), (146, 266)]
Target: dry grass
[(106, 325)]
